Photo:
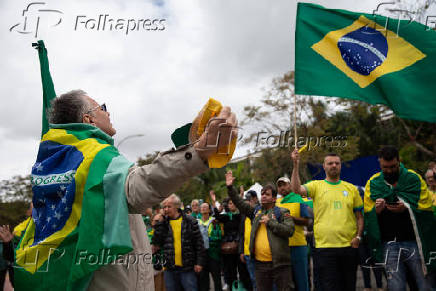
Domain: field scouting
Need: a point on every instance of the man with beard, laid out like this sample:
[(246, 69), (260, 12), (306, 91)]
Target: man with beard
[(398, 221), (338, 224)]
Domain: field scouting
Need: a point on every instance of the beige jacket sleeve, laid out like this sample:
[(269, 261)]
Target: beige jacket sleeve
[(150, 184)]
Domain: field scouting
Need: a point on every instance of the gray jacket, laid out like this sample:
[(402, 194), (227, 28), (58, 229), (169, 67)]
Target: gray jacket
[(147, 186)]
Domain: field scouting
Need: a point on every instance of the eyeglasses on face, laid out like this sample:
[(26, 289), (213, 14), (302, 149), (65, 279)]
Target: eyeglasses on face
[(102, 107)]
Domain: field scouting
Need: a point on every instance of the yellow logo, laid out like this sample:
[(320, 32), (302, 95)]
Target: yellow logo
[(365, 51)]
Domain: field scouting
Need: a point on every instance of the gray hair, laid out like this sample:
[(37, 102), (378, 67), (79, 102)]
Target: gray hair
[(69, 108), (175, 200)]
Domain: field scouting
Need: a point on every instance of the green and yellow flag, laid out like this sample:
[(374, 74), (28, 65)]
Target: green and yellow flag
[(355, 55), (79, 221)]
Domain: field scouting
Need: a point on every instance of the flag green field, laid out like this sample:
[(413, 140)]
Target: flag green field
[(339, 53)]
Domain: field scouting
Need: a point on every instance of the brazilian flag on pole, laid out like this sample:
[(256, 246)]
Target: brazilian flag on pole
[(366, 57), (79, 220)]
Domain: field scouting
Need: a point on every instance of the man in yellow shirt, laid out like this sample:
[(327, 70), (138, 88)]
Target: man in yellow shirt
[(180, 238), (271, 228), (338, 224)]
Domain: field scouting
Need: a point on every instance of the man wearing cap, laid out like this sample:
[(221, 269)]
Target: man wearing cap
[(338, 223), (301, 216)]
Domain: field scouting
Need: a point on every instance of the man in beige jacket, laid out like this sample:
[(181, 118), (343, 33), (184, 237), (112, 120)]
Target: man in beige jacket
[(147, 185)]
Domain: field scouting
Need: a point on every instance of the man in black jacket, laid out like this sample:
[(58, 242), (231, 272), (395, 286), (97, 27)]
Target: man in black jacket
[(180, 238)]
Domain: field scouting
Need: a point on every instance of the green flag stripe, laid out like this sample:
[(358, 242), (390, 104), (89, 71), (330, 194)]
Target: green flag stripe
[(113, 182), (83, 131)]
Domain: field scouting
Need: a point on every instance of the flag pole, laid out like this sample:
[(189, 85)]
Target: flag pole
[(295, 120)]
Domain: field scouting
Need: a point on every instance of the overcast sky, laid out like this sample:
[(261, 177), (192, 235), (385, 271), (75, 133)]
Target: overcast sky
[(151, 81)]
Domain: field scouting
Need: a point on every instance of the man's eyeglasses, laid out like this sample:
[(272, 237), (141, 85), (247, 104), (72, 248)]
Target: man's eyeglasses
[(102, 107)]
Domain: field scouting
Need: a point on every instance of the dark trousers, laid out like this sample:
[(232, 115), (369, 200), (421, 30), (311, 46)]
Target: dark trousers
[(213, 267), (316, 272), (366, 265), (337, 268), (2, 278), (232, 266), (266, 276)]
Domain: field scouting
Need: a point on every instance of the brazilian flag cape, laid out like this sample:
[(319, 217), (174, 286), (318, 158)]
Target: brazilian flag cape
[(80, 218), (412, 190)]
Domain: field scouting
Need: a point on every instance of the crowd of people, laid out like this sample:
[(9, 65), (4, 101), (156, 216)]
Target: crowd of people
[(296, 234), (269, 244)]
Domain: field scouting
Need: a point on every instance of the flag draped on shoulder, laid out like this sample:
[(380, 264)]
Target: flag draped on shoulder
[(412, 190), (355, 55), (80, 217)]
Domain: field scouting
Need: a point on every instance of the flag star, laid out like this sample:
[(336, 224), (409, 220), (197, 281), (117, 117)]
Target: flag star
[(54, 226), (48, 219), (53, 207), (66, 209), (39, 167), (58, 215), (63, 188), (60, 194), (64, 200)]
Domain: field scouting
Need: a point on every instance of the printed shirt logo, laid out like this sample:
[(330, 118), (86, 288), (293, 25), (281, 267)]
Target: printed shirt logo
[(53, 186), (365, 51), (337, 204)]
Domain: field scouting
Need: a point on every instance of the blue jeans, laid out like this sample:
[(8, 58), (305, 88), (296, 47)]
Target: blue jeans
[(175, 279), (399, 256), (299, 263), (250, 268)]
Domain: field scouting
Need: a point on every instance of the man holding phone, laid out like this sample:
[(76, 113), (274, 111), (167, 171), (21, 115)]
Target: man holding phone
[(396, 193)]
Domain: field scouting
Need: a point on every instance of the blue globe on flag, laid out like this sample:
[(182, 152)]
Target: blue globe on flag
[(363, 50)]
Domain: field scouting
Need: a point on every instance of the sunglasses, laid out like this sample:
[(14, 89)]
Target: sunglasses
[(102, 107)]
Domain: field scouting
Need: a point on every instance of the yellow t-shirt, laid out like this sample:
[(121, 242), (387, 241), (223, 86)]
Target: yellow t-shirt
[(334, 205), (247, 232), (298, 238), (262, 249), (176, 226)]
